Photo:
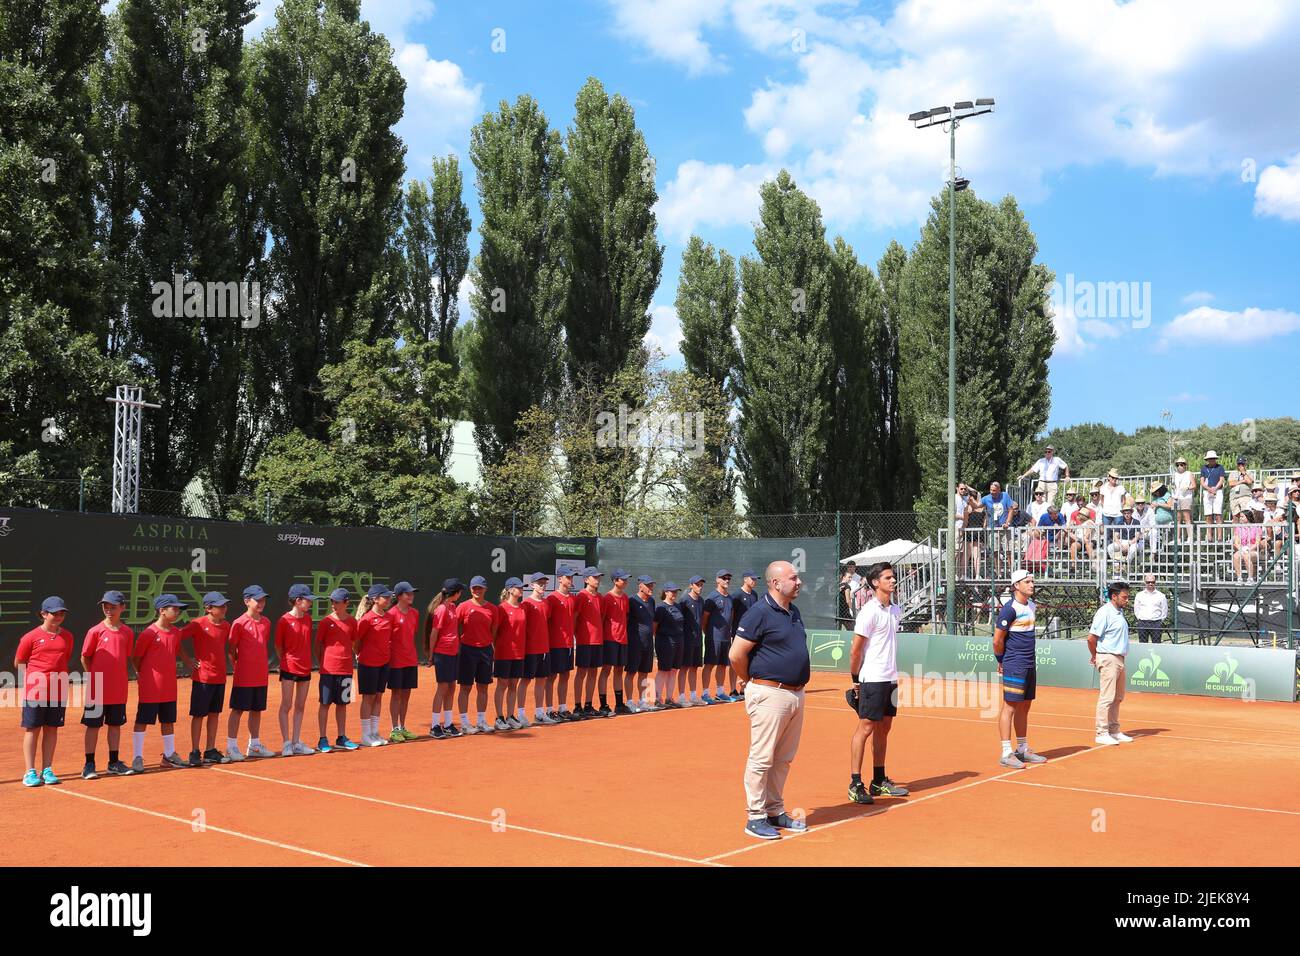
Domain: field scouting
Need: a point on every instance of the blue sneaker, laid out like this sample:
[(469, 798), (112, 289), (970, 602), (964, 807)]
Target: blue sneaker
[(31, 779), (343, 743), (323, 745), (709, 699), (783, 821), (48, 776), (761, 829)]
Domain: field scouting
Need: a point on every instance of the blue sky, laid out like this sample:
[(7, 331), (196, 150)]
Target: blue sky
[(1155, 144)]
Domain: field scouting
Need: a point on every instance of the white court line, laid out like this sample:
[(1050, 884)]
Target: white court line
[(1145, 796), (909, 714), (469, 819), (208, 826), (893, 808)]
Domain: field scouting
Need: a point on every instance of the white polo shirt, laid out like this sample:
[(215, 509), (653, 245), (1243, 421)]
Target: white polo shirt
[(1150, 605), (1112, 499), (879, 625)]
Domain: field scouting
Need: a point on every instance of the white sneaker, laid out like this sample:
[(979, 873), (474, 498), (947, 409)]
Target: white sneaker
[(634, 707), (301, 749), (288, 750), (233, 754), (1106, 740), (469, 729), (1122, 738), (377, 741), (484, 727), (521, 722), (546, 719), (260, 750)]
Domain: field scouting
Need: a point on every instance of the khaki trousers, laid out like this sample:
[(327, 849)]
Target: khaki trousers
[(1110, 668), (775, 723)]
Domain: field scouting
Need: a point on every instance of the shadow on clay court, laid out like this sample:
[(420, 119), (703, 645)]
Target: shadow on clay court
[(823, 815), (1062, 751)]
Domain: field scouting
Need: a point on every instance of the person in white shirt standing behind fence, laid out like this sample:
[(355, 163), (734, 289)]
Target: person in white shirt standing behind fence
[(1108, 645), (873, 661), (1049, 470), (1150, 607), (1184, 485)]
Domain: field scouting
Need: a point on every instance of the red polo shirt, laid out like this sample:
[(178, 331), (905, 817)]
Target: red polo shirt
[(210, 640), (293, 644), (614, 613), (157, 649), (374, 639), (404, 624), (476, 622), (447, 624), (512, 633), (561, 619), (538, 640), (251, 640), (588, 628), (336, 636), (108, 651), (46, 656)]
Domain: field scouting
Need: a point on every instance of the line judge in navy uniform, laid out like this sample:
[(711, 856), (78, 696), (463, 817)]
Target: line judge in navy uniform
[(770, 656)]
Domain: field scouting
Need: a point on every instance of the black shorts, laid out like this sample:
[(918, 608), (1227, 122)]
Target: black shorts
[(668, 652), (717, 650), (112, 714), (508, 670), (371, 680), (335, 689), (164, 713), (1019, 682), (692, 651), (640, 656), (536, 665), (295, 678), (403, 678), (38, 714), (590, 655), (877, 700), (248, 698), (559, 660), (206, 698), (445, 668), (475, 665), (614, 655)]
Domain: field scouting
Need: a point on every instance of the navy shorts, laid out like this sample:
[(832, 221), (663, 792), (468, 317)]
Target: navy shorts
[(640, 656), (1019, 681), (717, 650), (372, 680), (164, 712), (37, 714), (508, 670), (535, 665), (590, 655), (335, 689), (878, 699), (206, 698), (112, 714), (668, 652), (615, 654), (403, 678), (692, 651), (475, 665), (295, 678), (248, 698), (559, 660), (445, 668)]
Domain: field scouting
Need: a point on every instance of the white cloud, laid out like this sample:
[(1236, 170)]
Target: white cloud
[(1069, 343), (1198, 298), (665, 331), (441, 105), (1189, 397), (1101, 330), (711, 194), (1278, 191), (392, 17), (1246, 327), (671, 29)]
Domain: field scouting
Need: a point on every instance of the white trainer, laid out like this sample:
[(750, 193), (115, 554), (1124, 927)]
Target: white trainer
[(377, 741), (1106, 740), (521, 722), (233, 754), (484, 727), (260, 750), (1122, 738), (288, 750), (301, 749)]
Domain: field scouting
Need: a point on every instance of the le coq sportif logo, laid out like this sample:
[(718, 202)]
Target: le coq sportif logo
[(1225, 676), (1149, 669)]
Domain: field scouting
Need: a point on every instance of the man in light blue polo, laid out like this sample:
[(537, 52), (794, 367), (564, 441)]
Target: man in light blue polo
[(1108, 645)]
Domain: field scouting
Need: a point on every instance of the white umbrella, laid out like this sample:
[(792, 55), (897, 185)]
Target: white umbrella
[(898, 551)]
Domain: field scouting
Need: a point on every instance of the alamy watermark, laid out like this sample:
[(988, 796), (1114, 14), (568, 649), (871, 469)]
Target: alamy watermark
[(208, 300), (1102, 300), (635, 428)]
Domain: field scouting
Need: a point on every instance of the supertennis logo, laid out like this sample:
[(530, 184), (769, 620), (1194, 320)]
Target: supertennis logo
[(77, 909), (293, 538)]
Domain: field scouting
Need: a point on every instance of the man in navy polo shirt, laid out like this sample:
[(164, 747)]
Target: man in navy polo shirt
[(718, 623), (640, 645), (770, 656)]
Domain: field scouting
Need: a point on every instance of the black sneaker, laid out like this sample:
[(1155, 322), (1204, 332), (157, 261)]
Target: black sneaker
[(887, 788), (437, 733), (453, 730), (622, 709), (119, 769), (213, 755), (88, 771), (196, 759), (858, 793), (589, 711), (604, 711)]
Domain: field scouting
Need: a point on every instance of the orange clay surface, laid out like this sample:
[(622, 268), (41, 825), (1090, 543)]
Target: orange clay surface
[(1206, 782)]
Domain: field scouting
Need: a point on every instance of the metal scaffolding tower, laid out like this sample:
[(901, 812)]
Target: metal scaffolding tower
[(129, 402)]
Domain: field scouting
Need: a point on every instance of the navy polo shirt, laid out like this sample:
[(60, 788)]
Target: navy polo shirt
[(640, 617), (692, 611), (744, 601), (669, 617), (721, 610), (781, 643)]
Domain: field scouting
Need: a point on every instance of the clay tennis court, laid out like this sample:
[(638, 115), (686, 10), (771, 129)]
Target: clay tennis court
[(1206, 782)]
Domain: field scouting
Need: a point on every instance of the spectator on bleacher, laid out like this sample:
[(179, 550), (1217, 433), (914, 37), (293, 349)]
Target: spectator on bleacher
[(1051, 520), (850, 584), (1240, 486), (1212, 478), (1184, 485), (1292, 508), (976, 522), (1070, 507), (1038, 507), (963, 493), (1257, 504), (1146, 518), (1050, 470), (1247, 539), (1150, 608), (1125, 541), (1084, 532), (999, 505), (1162, 506), (1036, 546), (1112, 499), (1274, 522)]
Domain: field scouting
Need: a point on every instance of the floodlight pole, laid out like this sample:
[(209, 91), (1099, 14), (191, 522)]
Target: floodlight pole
[(950, 558)]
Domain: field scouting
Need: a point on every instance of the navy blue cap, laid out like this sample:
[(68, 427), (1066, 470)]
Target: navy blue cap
[(723, 573), (590, 572), (297, 591), (340, 594), (451, 585), (751, 573), (168, 600), (645, 579), (404, 587), (215, 599), (619, 573), (255, 592), (52, 604), (566, 572), (514, 583), (670, 586), (378, 590), (538, 576), (113, 597), (696, 579), (478, 581)]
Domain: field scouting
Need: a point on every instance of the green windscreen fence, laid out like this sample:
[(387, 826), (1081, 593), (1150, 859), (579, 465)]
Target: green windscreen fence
[(674, 560)]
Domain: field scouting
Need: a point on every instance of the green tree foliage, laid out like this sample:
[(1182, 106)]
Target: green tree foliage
[(901, 468)]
